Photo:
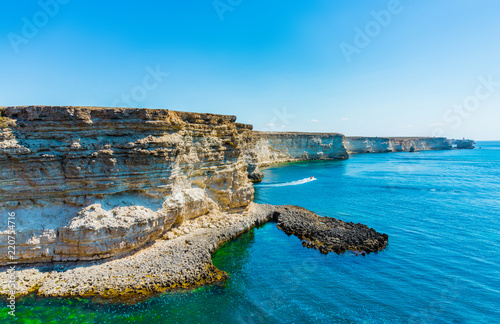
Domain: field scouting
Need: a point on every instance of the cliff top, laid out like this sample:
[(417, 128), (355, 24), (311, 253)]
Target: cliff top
[(298, 133), (55, 113), (397, 138), (87, 113)]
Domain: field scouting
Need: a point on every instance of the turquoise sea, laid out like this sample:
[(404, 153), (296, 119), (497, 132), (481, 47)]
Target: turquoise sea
[(441, 210)]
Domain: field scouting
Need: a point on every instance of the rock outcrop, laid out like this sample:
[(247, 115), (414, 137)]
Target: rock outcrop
[(183, 259), (273, 147), (89, 183), (264, 148), (355, 145), (328, 234), (136, 200)]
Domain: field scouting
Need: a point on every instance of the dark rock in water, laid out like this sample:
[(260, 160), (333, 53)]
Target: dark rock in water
[(254, 173), (328, 234), (412, 149), (255, 176)]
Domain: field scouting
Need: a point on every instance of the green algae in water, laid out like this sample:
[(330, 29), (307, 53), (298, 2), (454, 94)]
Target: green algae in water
[(171, 307)]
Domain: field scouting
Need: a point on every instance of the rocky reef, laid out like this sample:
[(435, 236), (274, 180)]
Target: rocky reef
[(355, 145), (328, 234)]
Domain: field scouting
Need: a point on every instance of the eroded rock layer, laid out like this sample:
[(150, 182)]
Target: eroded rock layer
[(88, 183), (272, 147), (262, 148)]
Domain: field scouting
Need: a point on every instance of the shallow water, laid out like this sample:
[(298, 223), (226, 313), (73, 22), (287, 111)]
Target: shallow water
[(441, 210)]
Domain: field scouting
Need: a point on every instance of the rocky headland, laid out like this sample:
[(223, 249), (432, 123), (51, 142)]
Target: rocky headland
[(115, 202), (463, 144)]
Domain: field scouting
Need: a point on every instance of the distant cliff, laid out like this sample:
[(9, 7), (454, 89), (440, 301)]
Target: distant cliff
[(463, 143), (356, 145), (262, 148)]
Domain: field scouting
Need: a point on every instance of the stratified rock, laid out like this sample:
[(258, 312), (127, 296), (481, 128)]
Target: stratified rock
[(254, 173), (355, 145), (89, 183), (134, 201), (264, 148), (260, 148)]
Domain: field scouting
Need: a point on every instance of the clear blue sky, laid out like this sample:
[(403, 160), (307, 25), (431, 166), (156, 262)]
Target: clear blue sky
[(280, 65)]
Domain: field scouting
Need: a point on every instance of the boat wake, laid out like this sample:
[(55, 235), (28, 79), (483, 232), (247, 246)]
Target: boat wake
[(284, 184)]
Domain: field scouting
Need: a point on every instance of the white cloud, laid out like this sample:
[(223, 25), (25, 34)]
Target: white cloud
[(314, 120), (344, 118)]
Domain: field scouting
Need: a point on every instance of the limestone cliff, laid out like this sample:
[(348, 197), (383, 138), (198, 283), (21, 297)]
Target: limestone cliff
[(262, 148), (356, 145), (88, 183), (464, 144)]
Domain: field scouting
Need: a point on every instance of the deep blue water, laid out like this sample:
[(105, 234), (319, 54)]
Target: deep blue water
[(441, 210)]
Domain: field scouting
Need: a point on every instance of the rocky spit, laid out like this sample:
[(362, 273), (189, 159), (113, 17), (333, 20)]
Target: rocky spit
[(329, 234), (182, 258)]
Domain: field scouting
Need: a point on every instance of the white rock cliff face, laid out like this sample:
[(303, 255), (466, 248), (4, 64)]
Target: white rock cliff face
[(356, 145), (263, 148), (89, 183), (275, 147)]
